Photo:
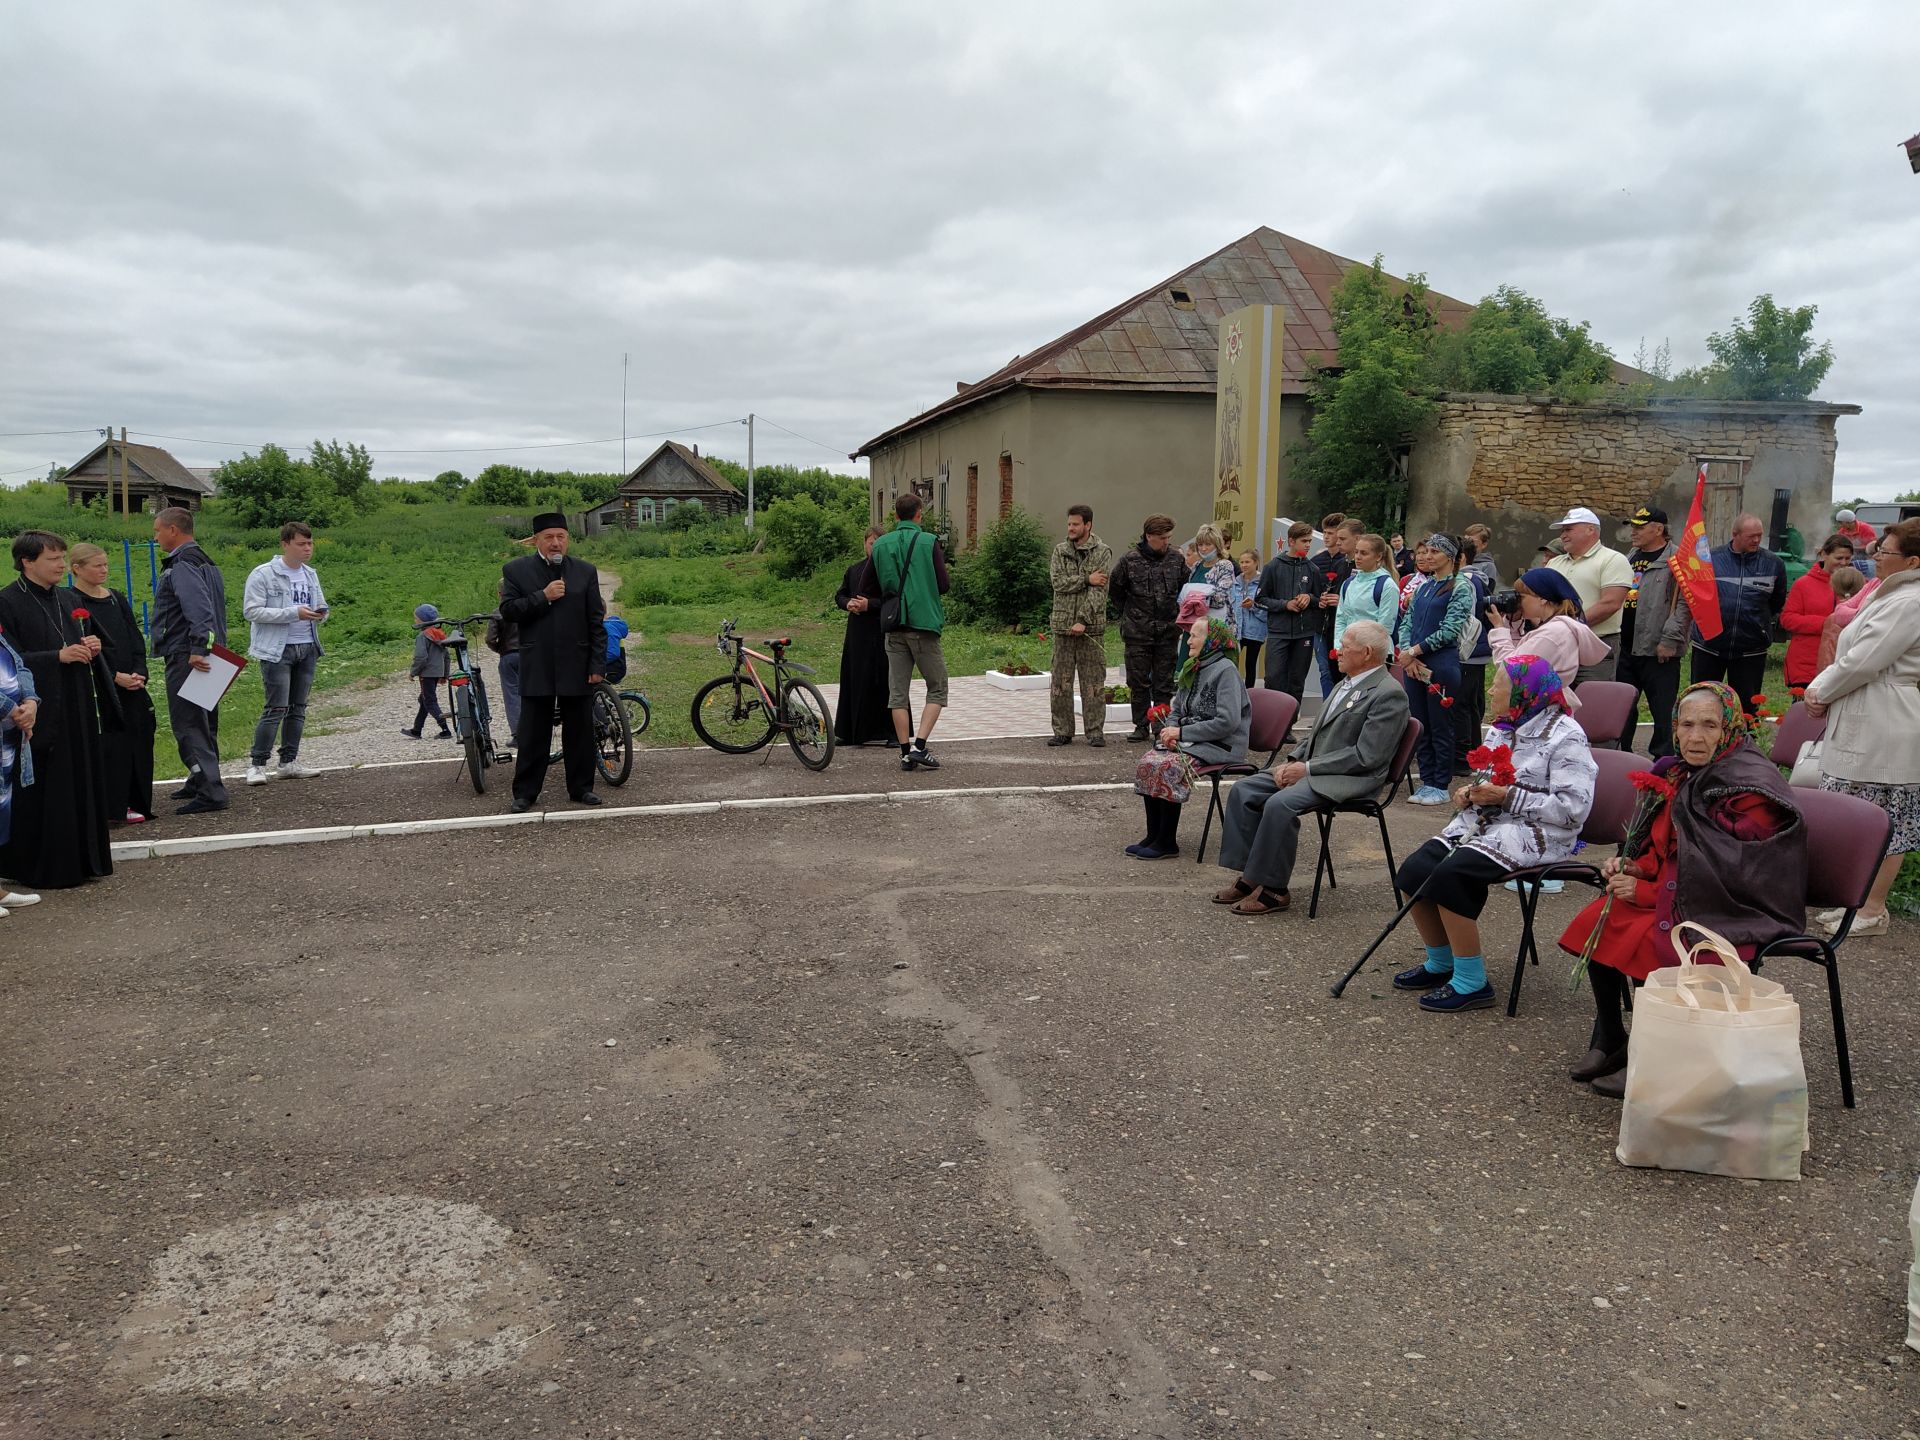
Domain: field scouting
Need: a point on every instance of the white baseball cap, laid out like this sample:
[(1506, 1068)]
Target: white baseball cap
[(1578, 515), (1845, 517)]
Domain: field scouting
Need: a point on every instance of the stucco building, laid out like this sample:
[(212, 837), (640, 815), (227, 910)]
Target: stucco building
[(1119, 412)]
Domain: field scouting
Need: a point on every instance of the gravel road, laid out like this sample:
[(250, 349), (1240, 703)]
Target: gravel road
[(919, 1119)]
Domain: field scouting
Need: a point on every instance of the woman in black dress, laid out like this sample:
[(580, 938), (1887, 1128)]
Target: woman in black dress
[(59, 837), (127, 790), (862, 717)]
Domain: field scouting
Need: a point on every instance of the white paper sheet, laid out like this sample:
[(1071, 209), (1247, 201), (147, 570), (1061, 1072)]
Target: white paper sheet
[(205, 687)]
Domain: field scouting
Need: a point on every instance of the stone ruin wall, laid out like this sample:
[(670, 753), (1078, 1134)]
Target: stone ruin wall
[(1534, 455)]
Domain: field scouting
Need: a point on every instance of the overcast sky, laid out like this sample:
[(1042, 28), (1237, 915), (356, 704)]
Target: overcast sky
[(437, 226)]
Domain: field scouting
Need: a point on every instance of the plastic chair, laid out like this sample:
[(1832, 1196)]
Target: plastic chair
[(1606, 824), (1847, 840), (1375, 805), (1605, 706), (1273, 713), (1795, 729)]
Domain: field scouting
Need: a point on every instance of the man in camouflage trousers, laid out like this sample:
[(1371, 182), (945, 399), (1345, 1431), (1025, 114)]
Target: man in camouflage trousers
[(1079, 571), (1145, 585)]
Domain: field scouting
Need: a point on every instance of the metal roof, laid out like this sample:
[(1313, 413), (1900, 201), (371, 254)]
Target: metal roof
[(1167, 341)]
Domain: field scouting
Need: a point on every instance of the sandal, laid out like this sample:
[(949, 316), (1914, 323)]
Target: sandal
[(1234, 893), (1263, 902)]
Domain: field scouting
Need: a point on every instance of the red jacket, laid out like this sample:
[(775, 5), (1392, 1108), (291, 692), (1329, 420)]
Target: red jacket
[(1809, 603)]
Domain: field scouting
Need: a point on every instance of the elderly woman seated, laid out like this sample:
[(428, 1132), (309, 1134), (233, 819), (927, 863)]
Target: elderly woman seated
[(1207, 724), (1550, 624), (1532, 819), (1716, 840)]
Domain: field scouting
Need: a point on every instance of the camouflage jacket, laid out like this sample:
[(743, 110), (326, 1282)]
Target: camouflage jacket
[(1146, 590), (1075, 602)]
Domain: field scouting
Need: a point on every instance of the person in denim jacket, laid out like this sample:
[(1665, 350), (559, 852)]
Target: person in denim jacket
[(285, 607)]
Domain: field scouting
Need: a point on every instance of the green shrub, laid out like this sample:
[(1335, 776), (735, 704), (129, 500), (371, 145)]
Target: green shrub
[(804, 537), (1004, 580), (271, 488)]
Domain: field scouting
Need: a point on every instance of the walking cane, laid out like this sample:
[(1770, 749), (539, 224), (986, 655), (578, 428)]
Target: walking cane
[(1381, 938)]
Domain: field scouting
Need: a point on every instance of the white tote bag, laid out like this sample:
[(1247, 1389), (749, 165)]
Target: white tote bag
[(1715, 1082), (1806, 765)]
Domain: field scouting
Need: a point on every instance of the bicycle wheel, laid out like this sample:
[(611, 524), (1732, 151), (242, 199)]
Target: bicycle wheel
[(808, 723), (729, 715), (471, 741), (639, 712), (612, 738)]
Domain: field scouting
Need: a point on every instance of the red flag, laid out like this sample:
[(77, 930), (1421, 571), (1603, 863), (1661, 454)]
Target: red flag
[(1692, 565)]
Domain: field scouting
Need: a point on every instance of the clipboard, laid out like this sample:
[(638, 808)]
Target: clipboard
[(205, 688)]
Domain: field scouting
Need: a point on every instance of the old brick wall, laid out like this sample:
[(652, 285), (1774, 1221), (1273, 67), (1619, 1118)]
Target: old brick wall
[(1517, 463)]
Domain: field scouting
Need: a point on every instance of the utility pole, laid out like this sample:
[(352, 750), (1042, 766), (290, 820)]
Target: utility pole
[(749, 470), (126, 487), (623, 414)]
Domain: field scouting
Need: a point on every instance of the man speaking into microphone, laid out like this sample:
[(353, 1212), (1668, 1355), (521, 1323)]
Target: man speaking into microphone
[(555, 600)]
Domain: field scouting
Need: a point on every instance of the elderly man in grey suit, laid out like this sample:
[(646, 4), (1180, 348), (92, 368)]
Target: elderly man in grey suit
[(1346, 757)]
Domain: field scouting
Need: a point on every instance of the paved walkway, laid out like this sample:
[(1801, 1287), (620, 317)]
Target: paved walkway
[(979, 710)]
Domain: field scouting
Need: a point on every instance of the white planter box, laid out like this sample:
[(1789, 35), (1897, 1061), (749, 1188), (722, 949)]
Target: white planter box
[(1001, 681), (1121, 714)]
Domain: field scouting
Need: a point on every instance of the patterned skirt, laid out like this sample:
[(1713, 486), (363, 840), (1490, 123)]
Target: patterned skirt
[(1902, 802), (1164, 775)]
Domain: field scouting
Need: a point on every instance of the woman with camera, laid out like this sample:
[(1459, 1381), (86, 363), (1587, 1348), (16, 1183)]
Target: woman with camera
[(1550, 624)]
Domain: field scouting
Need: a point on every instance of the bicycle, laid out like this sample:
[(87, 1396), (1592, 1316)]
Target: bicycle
[(618, 716), (472, 715), (737, 714)]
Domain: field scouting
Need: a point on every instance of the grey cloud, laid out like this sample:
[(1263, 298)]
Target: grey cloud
[(442, 225)]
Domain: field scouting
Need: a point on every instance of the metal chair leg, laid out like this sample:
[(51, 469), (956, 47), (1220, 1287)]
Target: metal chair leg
[(1323, 862), (1832, 963), (1213, 804), (1386, 844), (1529, 898)]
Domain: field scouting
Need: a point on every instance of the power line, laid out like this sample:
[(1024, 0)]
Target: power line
[(30, 434), (452, 450), (836, 449)]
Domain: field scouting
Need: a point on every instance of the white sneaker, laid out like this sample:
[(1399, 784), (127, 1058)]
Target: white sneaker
[(294, 770), (19, 899), (257, 775), (3, 914)]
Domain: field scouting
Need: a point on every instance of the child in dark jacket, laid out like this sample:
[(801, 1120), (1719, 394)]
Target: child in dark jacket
[(429, 668)]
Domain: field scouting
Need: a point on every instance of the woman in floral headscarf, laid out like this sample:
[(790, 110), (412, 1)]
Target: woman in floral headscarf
[(1716, 839), (1532, 788), (1208, 723)]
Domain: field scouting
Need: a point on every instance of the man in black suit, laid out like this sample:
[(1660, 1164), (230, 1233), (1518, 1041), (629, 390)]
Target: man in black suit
[(555, 600)]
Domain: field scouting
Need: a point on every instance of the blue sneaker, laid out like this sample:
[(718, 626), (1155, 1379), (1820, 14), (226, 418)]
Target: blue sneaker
[(1547, 887), (1429, 795), (1446, 999)]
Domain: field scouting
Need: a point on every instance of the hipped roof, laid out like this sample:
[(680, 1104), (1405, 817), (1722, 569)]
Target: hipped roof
[(1156, 341)]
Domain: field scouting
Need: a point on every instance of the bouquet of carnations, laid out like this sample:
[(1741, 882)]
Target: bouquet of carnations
[(1492, 765)]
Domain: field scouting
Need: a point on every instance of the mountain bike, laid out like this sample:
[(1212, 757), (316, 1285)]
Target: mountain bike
[(737, 714), (472, 715), (618, 716)]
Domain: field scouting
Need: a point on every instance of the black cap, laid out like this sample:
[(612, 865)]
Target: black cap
[(551, 520), (1648, 515)]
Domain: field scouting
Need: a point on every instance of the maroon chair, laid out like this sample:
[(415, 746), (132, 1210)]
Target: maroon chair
[(1375, 805), (1795, 729), (1605, 707), (1606, 824), (1847, 840), (1273, 712)]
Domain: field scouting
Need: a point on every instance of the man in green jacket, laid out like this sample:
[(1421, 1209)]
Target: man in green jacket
[(1079, 570), (912, 568)]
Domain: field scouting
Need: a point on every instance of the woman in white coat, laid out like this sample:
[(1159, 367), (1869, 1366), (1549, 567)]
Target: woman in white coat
[(1870, 696)]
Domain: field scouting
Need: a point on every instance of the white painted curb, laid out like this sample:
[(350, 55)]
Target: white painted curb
[(256, 839)]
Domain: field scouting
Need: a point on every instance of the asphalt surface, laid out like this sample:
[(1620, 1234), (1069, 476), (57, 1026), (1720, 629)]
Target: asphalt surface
[(935, 1119)]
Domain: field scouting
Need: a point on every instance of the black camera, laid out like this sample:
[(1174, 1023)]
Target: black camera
[(1507, 602)]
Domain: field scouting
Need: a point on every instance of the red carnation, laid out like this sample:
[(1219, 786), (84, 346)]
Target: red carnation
[(81, 613), (1446, 702), (1759, 700)]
